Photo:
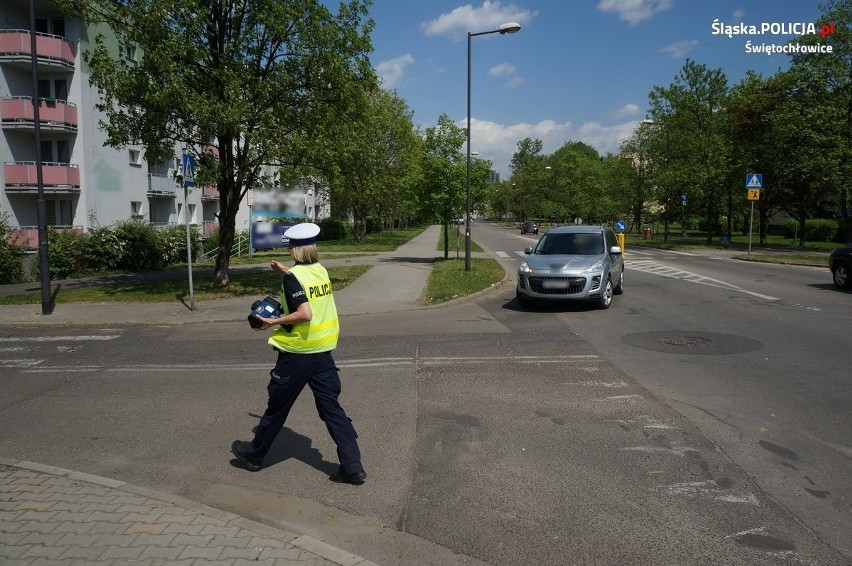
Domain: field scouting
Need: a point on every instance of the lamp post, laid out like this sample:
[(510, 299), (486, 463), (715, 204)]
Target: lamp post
[(510, 27), (41, 205)]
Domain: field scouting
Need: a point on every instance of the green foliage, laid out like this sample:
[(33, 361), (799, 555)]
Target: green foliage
[(142, 250), (332, 229), (172, 243), (11, 256), (816, 230), (66, 253), (104, 249)]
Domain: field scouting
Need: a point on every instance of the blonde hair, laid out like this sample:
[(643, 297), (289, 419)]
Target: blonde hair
[(305, 254)]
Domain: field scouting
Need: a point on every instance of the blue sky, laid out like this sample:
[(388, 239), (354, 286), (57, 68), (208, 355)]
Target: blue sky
[(579, 70)]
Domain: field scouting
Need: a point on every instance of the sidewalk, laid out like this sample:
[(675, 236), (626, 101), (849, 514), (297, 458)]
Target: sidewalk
[(54, 516), (394, 283)]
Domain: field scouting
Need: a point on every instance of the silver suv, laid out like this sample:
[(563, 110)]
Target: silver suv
[(572, 263)]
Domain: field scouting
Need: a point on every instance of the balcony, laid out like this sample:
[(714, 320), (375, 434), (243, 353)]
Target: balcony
[(18, 114), (27, 236), (161, 186), (209, 193), (209, 228), (52, 51), (20, 177)]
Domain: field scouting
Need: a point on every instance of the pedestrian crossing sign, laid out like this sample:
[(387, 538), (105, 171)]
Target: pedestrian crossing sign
[(753, 194), (754, 181)]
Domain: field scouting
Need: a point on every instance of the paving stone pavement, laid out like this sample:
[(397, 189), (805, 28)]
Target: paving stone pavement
[(52, 516)]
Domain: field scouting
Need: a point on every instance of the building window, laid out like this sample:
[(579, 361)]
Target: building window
[(130, 52), (60, 212), (135, 157), (135, 210)]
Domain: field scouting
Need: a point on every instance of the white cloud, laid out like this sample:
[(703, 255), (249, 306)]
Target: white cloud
[(502, 70), (635, 11), (628, 109), (498, 142), (515, 82), (392, 71), (680, 48), (467, 18)]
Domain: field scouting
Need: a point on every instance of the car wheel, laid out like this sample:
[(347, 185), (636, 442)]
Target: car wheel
[(606, 295), (619, 289), (523, 301), (841, 276)]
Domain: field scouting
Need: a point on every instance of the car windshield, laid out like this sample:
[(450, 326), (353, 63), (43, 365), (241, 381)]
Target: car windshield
[(570, 244)]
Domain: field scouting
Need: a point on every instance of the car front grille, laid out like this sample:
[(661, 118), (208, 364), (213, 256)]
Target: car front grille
[(557, 285)]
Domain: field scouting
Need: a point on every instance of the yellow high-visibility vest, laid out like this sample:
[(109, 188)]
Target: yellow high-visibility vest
[(320, 334)]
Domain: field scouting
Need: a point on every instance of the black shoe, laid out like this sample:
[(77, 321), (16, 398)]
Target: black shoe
[(355, 478), (240, 449)]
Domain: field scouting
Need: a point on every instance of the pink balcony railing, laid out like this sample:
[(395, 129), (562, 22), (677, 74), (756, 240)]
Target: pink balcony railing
[(27, 236), (53, 175), (60, 114), (15, 43), (209, 192), (210, 227)]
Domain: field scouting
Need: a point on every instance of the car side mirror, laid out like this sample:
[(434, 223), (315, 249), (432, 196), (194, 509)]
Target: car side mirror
[(615, 250), (528, 250)]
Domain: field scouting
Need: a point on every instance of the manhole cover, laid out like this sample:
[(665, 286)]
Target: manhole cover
[(687, 341), (680, 342)]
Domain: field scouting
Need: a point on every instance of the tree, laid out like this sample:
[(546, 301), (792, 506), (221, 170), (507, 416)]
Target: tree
[(444, 173), (370, 159), (692, 109), (249, 78)]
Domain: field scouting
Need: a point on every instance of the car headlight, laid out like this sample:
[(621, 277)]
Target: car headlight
[(525, 268), (594, 268)]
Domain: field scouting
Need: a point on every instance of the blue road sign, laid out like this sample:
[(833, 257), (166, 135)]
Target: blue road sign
[(620, 226), (754, 181), (188, 170)]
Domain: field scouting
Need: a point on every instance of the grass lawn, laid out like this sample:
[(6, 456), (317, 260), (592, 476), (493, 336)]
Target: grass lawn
[(449, 280), (243, 283), (456, 241)]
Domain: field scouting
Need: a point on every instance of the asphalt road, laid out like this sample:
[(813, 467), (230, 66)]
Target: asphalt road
[(691, 423)]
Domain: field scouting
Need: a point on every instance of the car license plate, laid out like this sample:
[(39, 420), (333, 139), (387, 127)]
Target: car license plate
[(555, 284)]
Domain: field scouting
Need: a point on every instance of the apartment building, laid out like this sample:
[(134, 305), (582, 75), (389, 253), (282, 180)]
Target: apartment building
[(85, 183)]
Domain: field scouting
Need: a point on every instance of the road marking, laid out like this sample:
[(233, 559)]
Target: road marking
[(12, 349), (654, 268), (356, 363), (59, 338), (599, 383), (707, 488), (521, 253), (20, 363), (503, 255)]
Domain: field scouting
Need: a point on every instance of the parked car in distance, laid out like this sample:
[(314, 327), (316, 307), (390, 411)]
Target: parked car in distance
[(840, 264), (572, 263), (529, 227)]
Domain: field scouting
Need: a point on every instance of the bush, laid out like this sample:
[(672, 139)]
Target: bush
[(11, 256), (816, 229), (66, 254), (173, 243), (104, 249), (141, 249), (332, 229)]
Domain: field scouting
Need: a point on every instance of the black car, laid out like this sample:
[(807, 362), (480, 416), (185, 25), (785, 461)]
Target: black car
[(529, 227), (840, 264)]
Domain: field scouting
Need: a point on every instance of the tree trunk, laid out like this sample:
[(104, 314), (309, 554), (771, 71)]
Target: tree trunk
[(446, 241), (229, 204)]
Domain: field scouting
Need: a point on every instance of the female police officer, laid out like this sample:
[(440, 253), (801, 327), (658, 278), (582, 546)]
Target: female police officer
[(304, 337)]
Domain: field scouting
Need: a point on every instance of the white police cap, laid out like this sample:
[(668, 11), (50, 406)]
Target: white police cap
[(302, 234)]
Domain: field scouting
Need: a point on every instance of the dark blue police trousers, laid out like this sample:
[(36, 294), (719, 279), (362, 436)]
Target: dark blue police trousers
[(290, 375)]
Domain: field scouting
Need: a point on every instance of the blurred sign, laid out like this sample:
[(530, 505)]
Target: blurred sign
[(265, 235)]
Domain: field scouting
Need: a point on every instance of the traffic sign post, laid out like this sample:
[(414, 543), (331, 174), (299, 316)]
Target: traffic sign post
[(753, 184), (188, 176)]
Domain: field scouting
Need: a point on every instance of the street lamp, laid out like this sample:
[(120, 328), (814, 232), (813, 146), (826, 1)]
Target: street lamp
[(510, 27)]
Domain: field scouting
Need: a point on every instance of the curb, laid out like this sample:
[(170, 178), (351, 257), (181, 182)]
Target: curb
[(303, 542)]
